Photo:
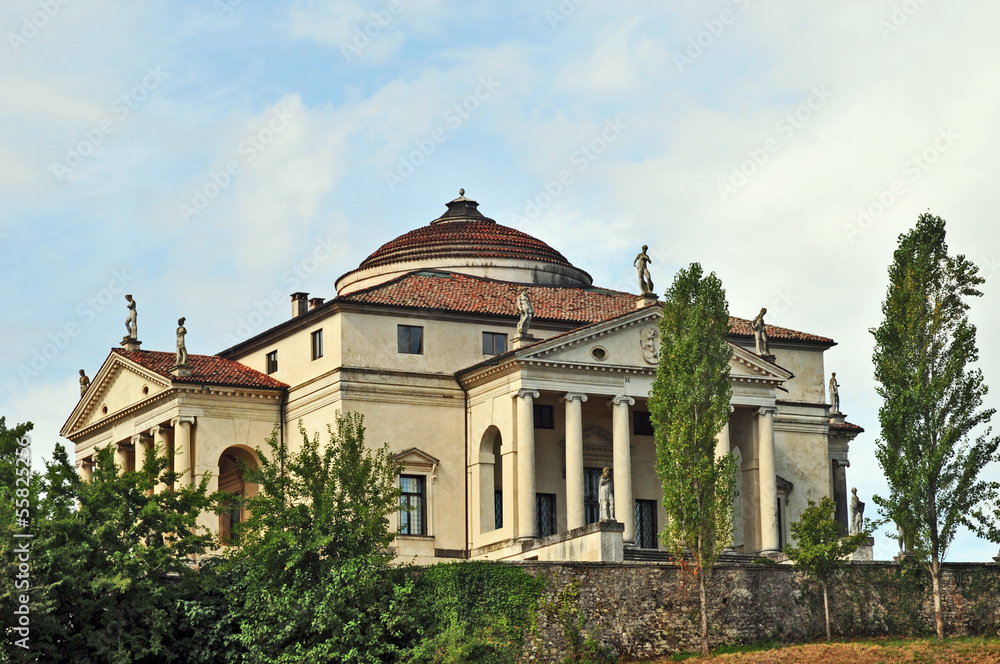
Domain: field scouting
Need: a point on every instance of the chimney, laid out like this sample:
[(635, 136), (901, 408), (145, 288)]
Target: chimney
[(299, 304), (315, 302)]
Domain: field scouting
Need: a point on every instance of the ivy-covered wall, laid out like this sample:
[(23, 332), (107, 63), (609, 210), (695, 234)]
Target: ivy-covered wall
[(643, 610)]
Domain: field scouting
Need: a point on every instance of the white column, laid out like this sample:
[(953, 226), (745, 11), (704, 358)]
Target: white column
[(527, 525), (184, 447), (624, 502), (141, 448), (722, 442), (121, 457), (575, 516), (162, 445), (86, 467), (768, 482)]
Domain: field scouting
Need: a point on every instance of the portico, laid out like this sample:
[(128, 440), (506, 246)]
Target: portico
[(546, 418)]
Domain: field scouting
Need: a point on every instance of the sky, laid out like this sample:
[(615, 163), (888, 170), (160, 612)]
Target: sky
[(213, 156)]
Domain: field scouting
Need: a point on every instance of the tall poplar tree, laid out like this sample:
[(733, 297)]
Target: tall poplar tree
[(932, 399), (689, 405)]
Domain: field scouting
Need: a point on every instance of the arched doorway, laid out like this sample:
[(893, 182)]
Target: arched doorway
[(231, 481), (490, 481)]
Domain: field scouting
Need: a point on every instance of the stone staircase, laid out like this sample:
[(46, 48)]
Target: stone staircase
[(632, 554)]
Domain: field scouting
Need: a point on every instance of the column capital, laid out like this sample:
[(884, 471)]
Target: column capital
[(183, 419), (141, 438), (622, 399), (573, 396), (767, 410), (521, 394), (158, 430)]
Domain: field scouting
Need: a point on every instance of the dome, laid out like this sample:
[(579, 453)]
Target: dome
[(464, 240)]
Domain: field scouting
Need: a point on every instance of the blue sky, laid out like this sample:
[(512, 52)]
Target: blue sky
[(202, 154)]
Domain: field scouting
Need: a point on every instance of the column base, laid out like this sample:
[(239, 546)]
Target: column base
[(773, 554)]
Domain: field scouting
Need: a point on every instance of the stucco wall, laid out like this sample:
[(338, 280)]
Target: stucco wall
[(648, 610)]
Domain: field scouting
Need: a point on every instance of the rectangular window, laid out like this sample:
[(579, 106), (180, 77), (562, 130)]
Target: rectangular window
[(645, 524), (498, 508), (544, 416), (545, 512), (413, 508), (642, 425), (317, 344), (272, 361), (591, 491), (494, 343), (410, 339)]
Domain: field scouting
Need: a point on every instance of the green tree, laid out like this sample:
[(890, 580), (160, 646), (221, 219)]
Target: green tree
[(312, 558), (932, 399), (110, 562), (821, 548), (689, 405)]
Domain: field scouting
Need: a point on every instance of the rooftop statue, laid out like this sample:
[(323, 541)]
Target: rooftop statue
[(642, 262), (131, 323), (84, 383), (760, 334), (834, 392), (526, 312), (182, 353)]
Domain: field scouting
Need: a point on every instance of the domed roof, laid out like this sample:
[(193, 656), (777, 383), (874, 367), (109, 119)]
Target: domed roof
[(465, 240)]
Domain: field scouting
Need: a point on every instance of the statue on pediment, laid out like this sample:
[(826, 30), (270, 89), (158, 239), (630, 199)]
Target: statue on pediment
[(182, 353), (834, 392), (131, 323), (606, 496), (642, 262), (84, 383), (525, 311), (761, 339)]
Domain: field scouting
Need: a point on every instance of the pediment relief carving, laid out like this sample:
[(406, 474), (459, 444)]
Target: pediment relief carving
[(117, 386)]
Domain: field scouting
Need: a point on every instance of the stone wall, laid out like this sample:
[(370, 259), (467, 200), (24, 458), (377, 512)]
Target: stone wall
[(642, 610)]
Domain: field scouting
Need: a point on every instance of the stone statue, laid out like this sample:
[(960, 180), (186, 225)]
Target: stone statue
[(526, 311), (131, 323), (648, 337), (642, 262), (834, 392), (182, 353), (902, 538), (606, 496), (760, 334), (84, 383), (857, 513)]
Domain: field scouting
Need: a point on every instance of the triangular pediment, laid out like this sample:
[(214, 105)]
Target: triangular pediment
[(416, 460), (750, 367), (118, 386), (631, 340)]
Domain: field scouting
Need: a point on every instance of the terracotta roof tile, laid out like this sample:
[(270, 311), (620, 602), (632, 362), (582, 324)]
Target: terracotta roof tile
[(204, 369), (846, 426), (459, 239), (448, 291)]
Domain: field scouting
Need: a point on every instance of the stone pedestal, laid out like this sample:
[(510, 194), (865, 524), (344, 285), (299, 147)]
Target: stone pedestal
[(130, 344), (905, 555), (769, 357), (523, 340), (181, 370), (645, 300), (864, 553)]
